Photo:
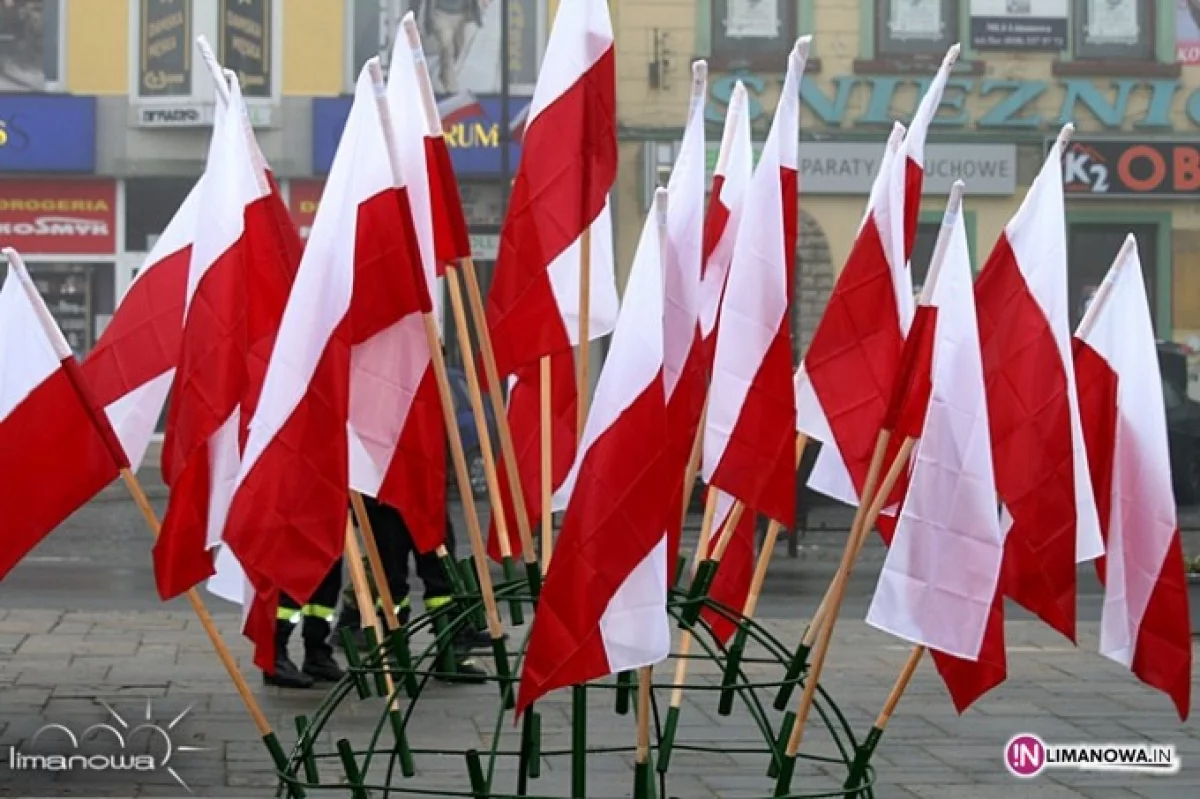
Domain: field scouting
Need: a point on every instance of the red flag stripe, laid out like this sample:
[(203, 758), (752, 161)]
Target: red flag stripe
[(1031, 440)]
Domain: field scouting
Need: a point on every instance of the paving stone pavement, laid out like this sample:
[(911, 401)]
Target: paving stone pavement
[(72, 667)]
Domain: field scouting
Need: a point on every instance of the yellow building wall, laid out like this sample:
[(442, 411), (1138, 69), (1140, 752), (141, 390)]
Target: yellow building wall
[(314, 48), (97, 46)]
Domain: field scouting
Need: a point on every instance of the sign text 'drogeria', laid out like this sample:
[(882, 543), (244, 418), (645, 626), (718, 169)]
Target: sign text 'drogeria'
[(979, 102)]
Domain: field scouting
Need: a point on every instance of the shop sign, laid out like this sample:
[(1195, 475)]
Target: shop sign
[(47, 133), (485, 246), (1019, 25), (303, 196), (1131, 168), (472, 127), (193, 115), (850, 167), (995, 103), (59, 217), (165, 48), (244, 44)]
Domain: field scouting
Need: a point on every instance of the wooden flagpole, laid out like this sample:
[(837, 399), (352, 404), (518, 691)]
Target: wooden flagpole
[(642, 774), (856, 540), (693, 466), (479, 317), (478, 550), (257, 716), (378, 572), (362, 591), (507, 450), (546, 462), (485, 440), (821, 650)]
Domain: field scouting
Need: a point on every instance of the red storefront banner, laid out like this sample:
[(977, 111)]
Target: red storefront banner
[(303, 196), (59, 217)]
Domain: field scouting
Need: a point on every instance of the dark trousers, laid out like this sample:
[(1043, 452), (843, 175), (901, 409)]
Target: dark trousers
[(323, 601), (396, 546)]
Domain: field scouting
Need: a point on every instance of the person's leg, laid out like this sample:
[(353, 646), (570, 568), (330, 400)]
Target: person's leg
[(445, 28), (286, 674), (395, 548), (318, 618)]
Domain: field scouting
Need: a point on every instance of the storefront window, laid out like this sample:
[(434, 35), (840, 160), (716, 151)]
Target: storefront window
[(79, 296), (165, 48), (29, 45), (915, 27), (1114, 29), (1091, 248), (150, 203), (752, 33)]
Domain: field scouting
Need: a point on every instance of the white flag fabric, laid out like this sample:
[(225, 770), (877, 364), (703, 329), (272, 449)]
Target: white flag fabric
[(943, 568)]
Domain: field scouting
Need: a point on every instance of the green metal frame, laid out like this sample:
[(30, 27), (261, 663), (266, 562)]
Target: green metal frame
[(930, 217), (805, 21), (383, 767), (1163, 220)]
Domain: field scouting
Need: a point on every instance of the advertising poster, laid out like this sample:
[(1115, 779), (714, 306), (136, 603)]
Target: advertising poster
[(1187, 31), (28, 45), (462, 43)]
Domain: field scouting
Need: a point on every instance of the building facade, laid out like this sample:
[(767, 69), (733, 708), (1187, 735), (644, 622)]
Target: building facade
[(105, 115), (1124, 73)]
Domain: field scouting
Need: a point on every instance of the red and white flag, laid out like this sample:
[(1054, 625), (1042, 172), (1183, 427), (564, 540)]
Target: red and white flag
[(939, 582), (360, 275), (1144, 624), (751, 399), (397, 430), (568, 167), (1038, 450), (685, 365), (845, 381), (59, 450), (731, 177), (201, 447), (133, 364), (603, 608)]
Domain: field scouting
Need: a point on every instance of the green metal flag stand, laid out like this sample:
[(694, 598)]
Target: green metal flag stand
[(390, 762)]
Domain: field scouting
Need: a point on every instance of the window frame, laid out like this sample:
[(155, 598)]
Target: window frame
[(953, 13), (802, 13), (1147, 47), (206, 21), (350, 67), (59, 84)]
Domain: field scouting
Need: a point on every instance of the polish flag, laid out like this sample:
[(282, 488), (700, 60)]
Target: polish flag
[(731, 584), (132, 366), (561, 190), (603, 607), (397, 430), (1144, 624), (201, 446), (1037, 440), (750, 406), (966, 680), (359, 276), (939, 582), (845, 381), (735, 165), (685, 367), (59, 450)]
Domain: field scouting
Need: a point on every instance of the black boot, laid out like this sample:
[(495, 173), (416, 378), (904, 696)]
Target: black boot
[(470, 638), (286, 674), (318, 654)]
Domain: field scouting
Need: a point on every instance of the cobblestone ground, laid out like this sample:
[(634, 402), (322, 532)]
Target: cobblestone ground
[(83, 637), (65, 667)]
